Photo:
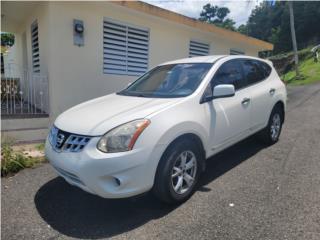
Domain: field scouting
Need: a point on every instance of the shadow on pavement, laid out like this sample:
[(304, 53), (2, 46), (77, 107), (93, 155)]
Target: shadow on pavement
[(230, 158), (78, 214)]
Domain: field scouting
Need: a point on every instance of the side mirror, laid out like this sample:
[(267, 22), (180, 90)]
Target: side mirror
[(219, 91), (223, 90)]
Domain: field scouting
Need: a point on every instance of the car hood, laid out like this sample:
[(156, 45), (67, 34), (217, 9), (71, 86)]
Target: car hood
[(97, 116)]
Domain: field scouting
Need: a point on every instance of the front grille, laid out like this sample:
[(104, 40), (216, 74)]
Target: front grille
[(76, 143), (67, 142)]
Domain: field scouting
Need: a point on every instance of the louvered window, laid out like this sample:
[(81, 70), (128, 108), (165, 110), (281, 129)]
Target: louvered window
[(234, 51), (198, 49), (125, 48), (35, 47)]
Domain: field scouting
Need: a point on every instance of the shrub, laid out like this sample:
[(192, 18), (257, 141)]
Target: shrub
[(12, 162)]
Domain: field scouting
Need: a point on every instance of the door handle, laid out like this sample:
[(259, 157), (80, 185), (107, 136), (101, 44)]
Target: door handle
[(272, 91), (245, 101)]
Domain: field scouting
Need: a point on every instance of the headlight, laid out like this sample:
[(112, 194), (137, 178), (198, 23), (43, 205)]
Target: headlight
[(122, 138)]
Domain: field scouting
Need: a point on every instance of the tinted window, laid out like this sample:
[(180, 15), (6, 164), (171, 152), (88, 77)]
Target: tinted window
[(266, 69), (229, 73), (255, 71), (174, 80)]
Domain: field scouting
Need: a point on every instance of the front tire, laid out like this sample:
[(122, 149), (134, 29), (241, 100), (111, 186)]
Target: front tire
[(178, 172), (270, 135)]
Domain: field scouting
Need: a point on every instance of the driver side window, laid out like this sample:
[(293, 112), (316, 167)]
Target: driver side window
[(229, 73)]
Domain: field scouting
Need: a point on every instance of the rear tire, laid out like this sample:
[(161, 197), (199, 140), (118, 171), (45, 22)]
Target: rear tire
[(270, 135), (178, 172)]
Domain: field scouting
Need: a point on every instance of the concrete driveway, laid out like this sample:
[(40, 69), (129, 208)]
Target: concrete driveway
[(247, 192)]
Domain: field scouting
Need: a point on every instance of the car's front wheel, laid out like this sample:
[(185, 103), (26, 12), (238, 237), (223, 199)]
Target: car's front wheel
[(178, 172)]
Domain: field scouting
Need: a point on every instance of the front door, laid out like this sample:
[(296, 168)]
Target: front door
[(230, 116)]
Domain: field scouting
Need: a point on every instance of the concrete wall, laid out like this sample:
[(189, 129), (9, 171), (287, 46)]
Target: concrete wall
[(24, 129), (40, 14)]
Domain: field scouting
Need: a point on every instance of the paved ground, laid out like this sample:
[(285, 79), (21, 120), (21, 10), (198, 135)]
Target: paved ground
[(248, 192)]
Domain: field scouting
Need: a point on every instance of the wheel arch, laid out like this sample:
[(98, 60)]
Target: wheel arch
[(280, 104), (191, 137)]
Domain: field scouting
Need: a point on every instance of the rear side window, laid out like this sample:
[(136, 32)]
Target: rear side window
[(266, 69), (252, 71), (229, 73), (255, 71)]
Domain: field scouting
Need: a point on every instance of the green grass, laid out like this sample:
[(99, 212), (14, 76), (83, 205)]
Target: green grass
[(14, 161), (40, 147), (309, 73), (308, 69)]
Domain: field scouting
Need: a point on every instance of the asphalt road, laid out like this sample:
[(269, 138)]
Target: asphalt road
[(247, 192)]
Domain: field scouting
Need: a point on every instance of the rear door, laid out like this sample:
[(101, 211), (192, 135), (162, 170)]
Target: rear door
[(261, 90), (230, 116)]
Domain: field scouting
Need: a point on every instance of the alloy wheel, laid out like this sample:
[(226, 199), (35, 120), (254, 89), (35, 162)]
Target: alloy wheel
[(184, 172), (275, 126)]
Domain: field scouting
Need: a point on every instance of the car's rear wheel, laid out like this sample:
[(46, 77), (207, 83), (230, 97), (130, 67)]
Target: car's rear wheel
[(271, 133), (178, 172)]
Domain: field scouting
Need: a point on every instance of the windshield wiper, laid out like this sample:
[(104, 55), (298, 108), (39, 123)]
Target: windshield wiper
[(141, 95), (125, 93)]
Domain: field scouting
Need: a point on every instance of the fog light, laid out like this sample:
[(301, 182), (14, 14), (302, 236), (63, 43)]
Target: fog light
[(118, 182)]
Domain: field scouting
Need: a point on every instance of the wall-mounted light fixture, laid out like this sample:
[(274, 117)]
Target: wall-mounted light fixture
[(78, 32)]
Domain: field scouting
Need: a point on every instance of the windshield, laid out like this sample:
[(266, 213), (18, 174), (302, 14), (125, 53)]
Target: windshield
[(168, 81)]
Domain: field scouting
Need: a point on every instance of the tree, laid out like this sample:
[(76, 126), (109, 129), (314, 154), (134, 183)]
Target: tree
[(227, 24), (217, 16), (243, 29), (271, 22), (293, 36)]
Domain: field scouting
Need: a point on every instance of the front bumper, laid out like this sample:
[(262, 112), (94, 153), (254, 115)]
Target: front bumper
[(109, 175)]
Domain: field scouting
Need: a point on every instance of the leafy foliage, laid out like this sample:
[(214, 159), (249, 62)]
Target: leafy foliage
[(243, 29), (271, 23), (12, 162), (7, 39), (217, 16)]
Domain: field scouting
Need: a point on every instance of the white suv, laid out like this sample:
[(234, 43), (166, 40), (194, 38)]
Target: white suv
[(158, 132)]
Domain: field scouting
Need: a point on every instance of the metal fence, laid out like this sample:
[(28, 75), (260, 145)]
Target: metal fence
[(23, 93)]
